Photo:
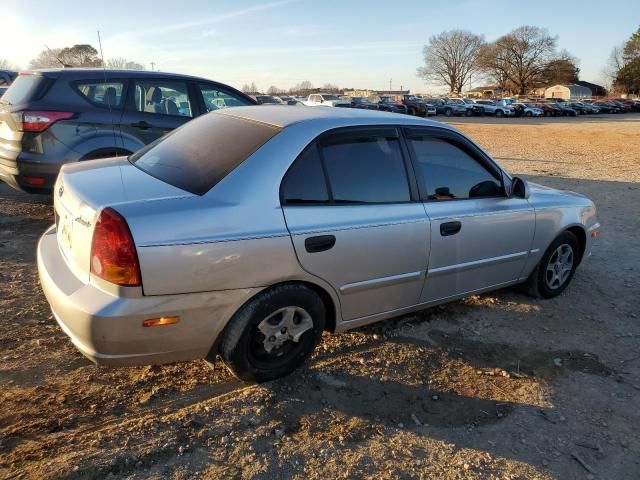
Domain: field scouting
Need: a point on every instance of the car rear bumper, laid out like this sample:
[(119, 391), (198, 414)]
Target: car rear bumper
[(108, 329), (16, 168)]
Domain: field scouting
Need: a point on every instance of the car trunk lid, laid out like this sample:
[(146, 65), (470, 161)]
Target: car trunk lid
[(83, 189)]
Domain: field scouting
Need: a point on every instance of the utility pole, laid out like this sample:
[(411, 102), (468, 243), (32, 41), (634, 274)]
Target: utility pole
[(153, 64), (390, 84)]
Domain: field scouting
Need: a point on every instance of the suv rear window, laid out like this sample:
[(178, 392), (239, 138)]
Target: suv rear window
[(24, 89), (198, 155)]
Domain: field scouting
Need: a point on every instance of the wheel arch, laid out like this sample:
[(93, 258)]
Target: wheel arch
[(581, 236)]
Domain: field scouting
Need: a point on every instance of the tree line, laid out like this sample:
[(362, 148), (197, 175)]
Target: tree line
[(303, 88), (82, 55), (519, 61)]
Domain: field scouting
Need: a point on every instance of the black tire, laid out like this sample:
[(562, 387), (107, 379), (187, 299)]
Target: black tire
[(528, 114), (241, 348), (448, 112), (548, 114), (499, 113), (412, 112), (537, 284), (469, 112)]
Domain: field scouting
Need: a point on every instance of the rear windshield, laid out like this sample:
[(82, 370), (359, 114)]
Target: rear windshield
[(23, 89), (200, 154)]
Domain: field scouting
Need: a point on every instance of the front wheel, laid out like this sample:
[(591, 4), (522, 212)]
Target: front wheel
[(499, 113), (448, 112), (273, 333), (556, 268)]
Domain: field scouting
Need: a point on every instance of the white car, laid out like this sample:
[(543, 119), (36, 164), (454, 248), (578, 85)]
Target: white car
[(326, 100)]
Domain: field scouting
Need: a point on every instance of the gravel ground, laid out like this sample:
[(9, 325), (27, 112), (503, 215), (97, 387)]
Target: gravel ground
[(497, 386)]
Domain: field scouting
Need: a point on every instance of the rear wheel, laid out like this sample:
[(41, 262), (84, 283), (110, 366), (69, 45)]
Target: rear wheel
[(499, 113), (448, 112), (273, 333), (556, 268), (547, 114), (528, 114)]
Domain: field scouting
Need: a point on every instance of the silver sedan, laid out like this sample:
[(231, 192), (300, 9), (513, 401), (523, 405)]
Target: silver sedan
[(248, 232)]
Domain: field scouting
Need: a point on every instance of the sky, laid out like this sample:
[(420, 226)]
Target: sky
[(351, 43)]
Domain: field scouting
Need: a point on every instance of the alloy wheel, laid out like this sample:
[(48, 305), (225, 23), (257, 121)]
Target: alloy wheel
[(559, 267)]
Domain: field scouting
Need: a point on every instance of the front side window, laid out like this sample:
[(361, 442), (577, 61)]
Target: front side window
[(104, 94), (365, 169), (215, 98), (163, 97), (448, 172)]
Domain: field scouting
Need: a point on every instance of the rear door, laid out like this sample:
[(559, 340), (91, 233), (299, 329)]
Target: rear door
[(480, 237), (155, 107), (352, 211)]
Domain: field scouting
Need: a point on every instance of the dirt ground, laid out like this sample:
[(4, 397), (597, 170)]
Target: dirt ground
[(497, 386)]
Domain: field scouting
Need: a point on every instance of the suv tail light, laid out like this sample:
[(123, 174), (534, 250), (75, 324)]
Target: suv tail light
[(38, 121), (113, 253)]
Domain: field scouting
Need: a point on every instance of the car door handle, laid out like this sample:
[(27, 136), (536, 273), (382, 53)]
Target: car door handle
[(142, 124), (320, 243), (450, 228)]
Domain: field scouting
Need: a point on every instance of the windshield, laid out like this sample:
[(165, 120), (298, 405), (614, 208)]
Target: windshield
[(198, 155), (330, 97)]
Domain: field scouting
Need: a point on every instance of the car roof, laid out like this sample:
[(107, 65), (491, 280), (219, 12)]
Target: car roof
[(92, 72), (284, 115)]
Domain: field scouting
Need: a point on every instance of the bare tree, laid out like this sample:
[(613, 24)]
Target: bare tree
[(273, 90), (330, 87), (7, 65), (121, 63), (451, 58), (246, 88), (77, 56), (561, 70), (302, 88), (520, 57)]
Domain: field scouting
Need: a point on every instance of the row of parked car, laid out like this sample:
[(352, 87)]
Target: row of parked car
[(506, 107)]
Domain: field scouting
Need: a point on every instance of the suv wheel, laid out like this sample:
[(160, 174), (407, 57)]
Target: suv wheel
[(528, 114), (273, 334), (556, 268), (448, 112), (499, 113), (469, 112)]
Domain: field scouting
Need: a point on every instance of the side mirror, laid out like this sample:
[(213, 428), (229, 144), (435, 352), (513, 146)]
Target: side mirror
[(519, 188)]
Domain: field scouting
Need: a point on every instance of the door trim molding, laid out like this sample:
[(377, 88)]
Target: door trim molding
[(380, 282), (461, 267)]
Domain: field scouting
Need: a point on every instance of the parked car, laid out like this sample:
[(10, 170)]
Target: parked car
[(490, 107), (7, 77), (358, 229), (388, 104), (526, 110), (606, 107), (471, 107), (326, 100), (447, 108), (565, 110), (361, 102), (414, 105), (585, 108), (51, 117), (549, 110), (431, 109), (268, 100)]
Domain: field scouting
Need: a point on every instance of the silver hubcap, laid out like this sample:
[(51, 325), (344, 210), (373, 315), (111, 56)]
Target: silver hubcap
[(559, 266), (288, 323)]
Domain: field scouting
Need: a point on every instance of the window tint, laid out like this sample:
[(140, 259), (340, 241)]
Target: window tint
[(163, 97), (24, 89), (215, 99), (367, 169), (105, 94), (198, 155), (305, 181), (448, 172)]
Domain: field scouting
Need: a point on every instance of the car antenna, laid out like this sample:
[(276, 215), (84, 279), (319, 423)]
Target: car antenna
[(64, 65), (104, 71)]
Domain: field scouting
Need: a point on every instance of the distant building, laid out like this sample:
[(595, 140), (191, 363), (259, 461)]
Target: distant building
[(488, 91), (596, 90), (567, 91)]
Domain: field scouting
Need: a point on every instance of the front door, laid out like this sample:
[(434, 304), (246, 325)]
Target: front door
[(356, 221), (480, 237)]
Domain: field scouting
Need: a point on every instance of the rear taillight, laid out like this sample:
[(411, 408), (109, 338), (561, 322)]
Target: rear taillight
[(113, 253), (38, 121)]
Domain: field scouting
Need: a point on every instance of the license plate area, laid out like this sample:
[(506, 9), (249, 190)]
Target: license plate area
[(65, 232)]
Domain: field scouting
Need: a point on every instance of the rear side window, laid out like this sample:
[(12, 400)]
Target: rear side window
[(25, 88), (198, 155), (366, 169), (163, 97), (305, 181), (102, 94)]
